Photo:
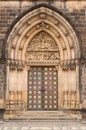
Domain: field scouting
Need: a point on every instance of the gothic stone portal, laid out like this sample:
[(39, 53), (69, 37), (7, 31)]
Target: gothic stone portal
[(44, 46)]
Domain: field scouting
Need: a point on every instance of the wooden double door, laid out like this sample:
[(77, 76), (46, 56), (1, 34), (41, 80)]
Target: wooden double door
[(42, 88)]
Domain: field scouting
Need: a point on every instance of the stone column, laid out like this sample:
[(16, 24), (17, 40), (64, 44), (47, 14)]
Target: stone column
[(27, 69)]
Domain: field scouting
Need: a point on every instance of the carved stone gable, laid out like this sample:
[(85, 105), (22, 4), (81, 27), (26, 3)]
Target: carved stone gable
[(42, 48)]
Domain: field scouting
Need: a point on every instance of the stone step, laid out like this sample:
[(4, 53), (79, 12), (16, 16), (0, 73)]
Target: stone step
[(62, 119), (43, 112), (42, 115), (41, 118)]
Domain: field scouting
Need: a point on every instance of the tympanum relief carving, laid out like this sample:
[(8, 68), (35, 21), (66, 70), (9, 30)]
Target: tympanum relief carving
[(42, 48)]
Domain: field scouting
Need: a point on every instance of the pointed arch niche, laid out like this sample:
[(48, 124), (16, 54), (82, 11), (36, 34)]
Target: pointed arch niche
[(42, 37)]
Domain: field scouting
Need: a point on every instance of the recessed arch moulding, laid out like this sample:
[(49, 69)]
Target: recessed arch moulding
[(37, 23)]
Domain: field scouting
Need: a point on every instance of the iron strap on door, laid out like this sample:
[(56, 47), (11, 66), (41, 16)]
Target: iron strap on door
[(42, 83)]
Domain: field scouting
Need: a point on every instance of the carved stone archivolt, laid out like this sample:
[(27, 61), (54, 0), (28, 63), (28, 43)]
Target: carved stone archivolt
[(32, 24), (42, 48)]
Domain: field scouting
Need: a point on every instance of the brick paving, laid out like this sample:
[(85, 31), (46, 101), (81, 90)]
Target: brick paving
[(43, 125)]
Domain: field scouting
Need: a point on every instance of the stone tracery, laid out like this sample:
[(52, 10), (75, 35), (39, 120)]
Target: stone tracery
[(42, 47)]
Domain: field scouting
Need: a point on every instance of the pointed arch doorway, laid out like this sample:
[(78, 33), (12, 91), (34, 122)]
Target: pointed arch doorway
[(42, 80), (42, 40)]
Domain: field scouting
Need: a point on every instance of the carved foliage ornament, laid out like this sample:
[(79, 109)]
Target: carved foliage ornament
[(70, 65), (42, 48), (13, 65), (42, 25)]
